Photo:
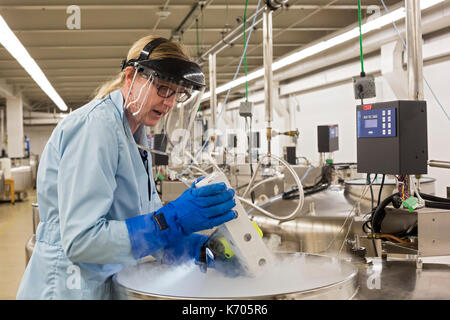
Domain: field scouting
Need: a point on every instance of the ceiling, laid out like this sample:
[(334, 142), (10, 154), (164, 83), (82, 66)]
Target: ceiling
[(78, 61)]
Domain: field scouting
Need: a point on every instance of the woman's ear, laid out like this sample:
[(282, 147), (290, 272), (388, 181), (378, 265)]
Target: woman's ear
[(129, 72)]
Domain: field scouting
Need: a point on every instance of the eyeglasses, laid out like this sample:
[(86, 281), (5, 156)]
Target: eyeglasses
[(167, 92), (181, 95)]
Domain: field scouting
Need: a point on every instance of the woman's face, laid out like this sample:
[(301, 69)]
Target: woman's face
[(146, 106)]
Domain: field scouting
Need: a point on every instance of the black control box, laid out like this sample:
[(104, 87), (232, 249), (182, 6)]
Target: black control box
[(256, 140), (328, 138), (160, 144), (290, 155), (392, 137), (232, 140)]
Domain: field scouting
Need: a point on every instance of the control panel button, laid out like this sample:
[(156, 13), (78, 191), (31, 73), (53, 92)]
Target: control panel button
[(384, 125), (384, 119), (389, 131), (384, 131), (389, 125)]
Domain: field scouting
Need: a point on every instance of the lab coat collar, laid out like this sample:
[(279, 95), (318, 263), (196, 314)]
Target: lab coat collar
[(117, 98), (139, 136)]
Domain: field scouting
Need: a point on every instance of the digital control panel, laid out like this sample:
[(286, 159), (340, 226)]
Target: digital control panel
[(377, 123)]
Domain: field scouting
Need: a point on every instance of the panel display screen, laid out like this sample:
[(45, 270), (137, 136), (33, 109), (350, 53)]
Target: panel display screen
[(377, 123), (371, 123)]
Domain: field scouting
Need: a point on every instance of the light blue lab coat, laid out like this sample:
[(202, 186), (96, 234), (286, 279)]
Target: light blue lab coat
[(91, 178)]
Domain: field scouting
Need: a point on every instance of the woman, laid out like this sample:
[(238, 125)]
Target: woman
[(99, 209)]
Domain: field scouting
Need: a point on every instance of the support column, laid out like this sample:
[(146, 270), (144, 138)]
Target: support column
[(268, 74), (212, 88), (213, 96), (414, 47), (14, 127)]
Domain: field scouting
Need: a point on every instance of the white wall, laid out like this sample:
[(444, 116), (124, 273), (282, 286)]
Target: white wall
[(38, 136)]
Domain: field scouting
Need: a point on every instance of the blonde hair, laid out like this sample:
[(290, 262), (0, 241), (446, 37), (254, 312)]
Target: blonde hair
[(168, 49)]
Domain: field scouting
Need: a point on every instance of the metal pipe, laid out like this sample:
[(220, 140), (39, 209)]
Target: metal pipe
[(212, 90), (159, 17), (181, 25), (414, 48), (319, 9), (232, 36), (439, 164), (212, 87), (268, 73)]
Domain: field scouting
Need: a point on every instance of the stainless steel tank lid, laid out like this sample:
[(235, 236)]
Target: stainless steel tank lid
[(295, 276)]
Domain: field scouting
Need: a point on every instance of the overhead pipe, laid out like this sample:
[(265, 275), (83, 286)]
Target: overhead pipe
[(232, 36), (181, 25), (238, 32)]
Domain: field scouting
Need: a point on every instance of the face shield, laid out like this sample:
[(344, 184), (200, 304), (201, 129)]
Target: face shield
[(163, 97)]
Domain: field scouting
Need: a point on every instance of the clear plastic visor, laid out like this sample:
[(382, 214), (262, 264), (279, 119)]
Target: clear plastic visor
[(151, 101)]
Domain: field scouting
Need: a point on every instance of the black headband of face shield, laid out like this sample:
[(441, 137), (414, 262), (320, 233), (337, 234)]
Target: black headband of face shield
[(179, 71), (145, 53)]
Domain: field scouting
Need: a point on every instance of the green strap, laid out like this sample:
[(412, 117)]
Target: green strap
[(360, 37)]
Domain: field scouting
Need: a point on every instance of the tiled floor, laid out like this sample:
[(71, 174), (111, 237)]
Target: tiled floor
[(16, 227)]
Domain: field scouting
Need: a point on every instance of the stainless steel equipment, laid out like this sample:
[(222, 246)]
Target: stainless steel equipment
[(23, 179), (309, 175), (34, 163), (2, 182), (381, 279), (309, 277), (433, 239), (320, 227)]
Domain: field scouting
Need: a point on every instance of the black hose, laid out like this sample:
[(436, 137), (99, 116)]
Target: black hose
[(437, 205), (371, 190), (379, 214), (308, 193), (434, 198), (381, 188)]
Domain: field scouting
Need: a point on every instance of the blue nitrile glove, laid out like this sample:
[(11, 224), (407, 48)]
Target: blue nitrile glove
[(195, 210), (201, 208)]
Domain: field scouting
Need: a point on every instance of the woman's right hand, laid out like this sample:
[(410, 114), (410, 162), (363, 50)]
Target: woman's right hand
[(195, 210), (201, 208)]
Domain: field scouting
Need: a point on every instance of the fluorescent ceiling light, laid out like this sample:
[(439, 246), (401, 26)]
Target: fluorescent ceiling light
[(9, 40), (425, 4), (324, 45)]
